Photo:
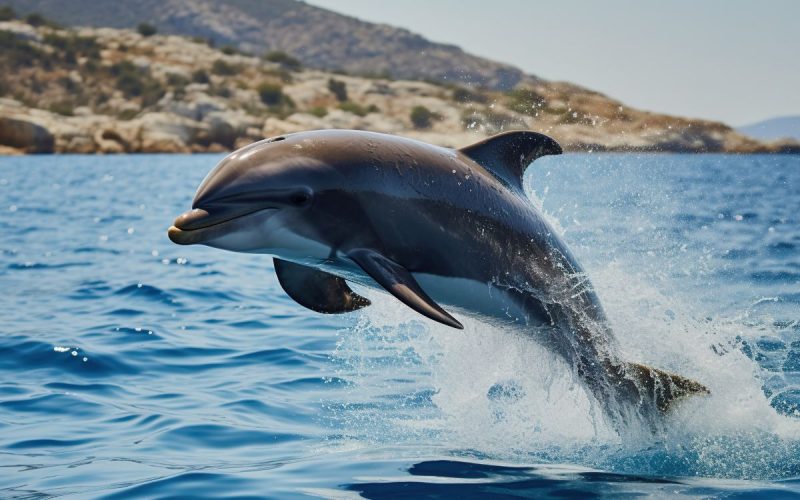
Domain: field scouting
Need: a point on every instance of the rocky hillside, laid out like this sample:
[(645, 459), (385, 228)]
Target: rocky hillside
[(108, 90), (317, 37)]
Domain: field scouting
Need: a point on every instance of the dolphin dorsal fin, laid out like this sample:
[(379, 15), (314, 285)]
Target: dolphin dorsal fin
[(507, 155)]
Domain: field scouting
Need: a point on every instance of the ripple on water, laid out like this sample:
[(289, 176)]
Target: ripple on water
[(25, 355), (48, 443), (222, 436), (53, 404), (147, 292), (191, 485), (38, 266)]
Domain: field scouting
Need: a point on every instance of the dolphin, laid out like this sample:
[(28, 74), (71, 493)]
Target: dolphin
[(437, 228)]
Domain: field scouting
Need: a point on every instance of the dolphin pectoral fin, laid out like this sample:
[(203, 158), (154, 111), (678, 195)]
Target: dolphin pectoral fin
[(663, 387), (507, 155), (396, 280), (317, 290)]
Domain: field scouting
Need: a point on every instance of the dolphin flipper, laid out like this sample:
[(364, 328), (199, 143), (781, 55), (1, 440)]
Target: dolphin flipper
[(317, 290), (396, 280), (507, 155)]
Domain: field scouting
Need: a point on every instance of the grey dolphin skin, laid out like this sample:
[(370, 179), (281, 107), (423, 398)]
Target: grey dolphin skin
[(432, 226)]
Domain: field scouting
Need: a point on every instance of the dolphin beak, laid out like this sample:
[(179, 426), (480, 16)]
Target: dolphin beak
[(184, 230), (199, 225)]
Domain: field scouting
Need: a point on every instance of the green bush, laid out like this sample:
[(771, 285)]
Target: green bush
[(422, 117), (177, 80), (465, 95), (318, 111), (229, 50), (20, 53), (356, 109), (285, 60), (493, 121), (221, 91), (200, 76), (72, 46), (271, 94), (525, 100), (127, 114), (64, 108), (145, 29), (222, 68), (68, 84), (338, 88), (135, 83), (36, 19), (7, 13)]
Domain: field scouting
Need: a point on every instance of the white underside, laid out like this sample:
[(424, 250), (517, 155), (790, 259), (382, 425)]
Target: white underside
[(266, 232)]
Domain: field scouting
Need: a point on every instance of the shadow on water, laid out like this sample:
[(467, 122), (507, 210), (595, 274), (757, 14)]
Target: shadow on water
[(459, 479)]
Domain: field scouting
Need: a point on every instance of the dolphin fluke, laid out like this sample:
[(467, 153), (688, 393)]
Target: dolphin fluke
[(659, 387)]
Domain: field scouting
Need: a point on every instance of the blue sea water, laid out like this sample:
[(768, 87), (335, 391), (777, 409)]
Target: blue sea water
[(132, 367)]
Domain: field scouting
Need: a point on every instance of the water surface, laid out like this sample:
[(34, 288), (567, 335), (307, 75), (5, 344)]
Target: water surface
[(134, 367)]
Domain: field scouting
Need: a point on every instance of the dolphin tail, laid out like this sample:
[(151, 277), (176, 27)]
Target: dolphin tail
[(660, 387)]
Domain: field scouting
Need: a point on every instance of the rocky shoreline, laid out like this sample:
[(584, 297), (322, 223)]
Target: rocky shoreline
[(103, 90)]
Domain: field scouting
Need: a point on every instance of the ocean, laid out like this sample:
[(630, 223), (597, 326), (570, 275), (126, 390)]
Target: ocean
[(133, 367)]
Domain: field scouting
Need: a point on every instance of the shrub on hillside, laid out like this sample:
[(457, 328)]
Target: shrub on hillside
[(465, 95), (525, 100), (200, 76), (133, 82), (422, 117), (338, 88), (7, 13), (285, 60), (222, 68), (145, 29), (272, 95)]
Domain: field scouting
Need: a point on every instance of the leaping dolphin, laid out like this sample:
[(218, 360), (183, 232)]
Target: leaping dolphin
[(432, 226)]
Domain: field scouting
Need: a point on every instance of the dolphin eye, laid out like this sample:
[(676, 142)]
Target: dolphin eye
[(300, 198)]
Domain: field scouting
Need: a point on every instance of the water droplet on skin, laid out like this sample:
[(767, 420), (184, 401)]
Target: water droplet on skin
[(131, 230), (12, 208), (85, 359), (74, 353)]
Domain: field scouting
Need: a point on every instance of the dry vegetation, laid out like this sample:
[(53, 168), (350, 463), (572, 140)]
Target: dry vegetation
[(108, 90)]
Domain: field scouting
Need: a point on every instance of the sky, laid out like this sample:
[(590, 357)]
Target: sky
[(731, 60)]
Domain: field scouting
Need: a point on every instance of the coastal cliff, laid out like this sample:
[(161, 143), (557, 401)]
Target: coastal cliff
[(106, 90)]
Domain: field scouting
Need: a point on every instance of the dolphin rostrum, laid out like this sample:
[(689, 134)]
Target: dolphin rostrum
[(431, 226)]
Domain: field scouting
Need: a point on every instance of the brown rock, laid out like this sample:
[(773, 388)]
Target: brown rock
[(26, 133)]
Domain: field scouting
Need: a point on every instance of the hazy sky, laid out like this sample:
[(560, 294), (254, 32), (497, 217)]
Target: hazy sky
[(731, 60)]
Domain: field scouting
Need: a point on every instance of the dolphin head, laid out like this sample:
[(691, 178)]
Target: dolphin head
[(257, 199)]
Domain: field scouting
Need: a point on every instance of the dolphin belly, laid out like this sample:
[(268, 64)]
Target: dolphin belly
[(477, 299)]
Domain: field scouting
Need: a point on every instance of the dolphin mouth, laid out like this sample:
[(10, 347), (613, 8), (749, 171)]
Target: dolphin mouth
[(199, 225)]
